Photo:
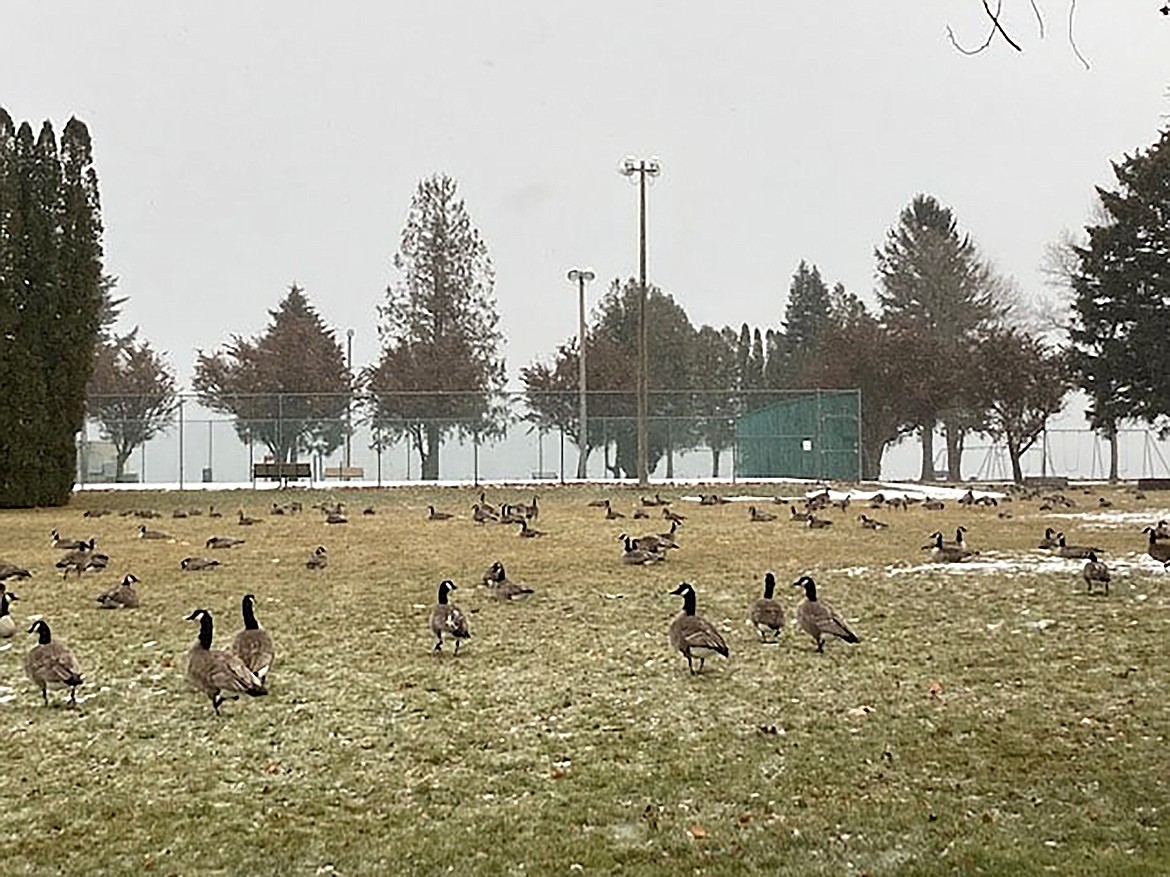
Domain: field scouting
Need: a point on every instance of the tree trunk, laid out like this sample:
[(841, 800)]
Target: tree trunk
[(430, 458), (955, 436), (715, 454), (872, 452), (120, 458), (1014, 454), (583, 463), (927, 433), (1111, 435), (670, 462)]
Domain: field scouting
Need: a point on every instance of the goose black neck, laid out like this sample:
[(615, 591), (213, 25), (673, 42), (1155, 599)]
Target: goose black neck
[(689, 602), (249, 616), (3, 605), (810, 588), (769, 586), (45, 636), (1153, 536), (443, 594), (205, 630)]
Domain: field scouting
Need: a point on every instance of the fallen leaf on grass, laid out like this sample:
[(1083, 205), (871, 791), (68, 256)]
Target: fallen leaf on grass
[(935, 689), (860, 712), (697, 832)]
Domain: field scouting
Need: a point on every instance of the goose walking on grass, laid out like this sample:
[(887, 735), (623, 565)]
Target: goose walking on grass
[(51, 665), (83, 559), (121, 596), (692, 634), (447, 618), (1159, 551), (817, 618), (7, 625), (767, 614), (253, 644), (1095, 573), (319, 559), (218, 674)]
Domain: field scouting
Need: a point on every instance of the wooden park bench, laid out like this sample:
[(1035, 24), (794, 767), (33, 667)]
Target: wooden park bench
[(1153, 484), (345, 473), (282, 471)]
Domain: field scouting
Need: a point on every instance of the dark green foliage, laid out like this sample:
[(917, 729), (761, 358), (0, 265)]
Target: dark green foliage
[(131, 395), (289, 388), (440, 370), (51, 294), (808, 309), (1121, 308), (934, 286)]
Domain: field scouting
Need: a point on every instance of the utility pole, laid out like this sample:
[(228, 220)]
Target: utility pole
[(581, 277), (348, 406), (643, 168)]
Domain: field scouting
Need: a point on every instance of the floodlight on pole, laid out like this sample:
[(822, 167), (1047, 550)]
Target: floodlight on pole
[(581, 277), (349, 404), (643, 168)]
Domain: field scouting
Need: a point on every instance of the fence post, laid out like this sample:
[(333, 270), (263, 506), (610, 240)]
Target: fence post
[(562, 455), (475, 458), (181, 431)]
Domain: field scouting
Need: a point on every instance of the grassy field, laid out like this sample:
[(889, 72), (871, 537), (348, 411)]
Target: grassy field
[(993, 720)]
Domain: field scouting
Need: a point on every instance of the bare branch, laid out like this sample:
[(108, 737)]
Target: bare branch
[(999, 27), (1072, 40), (1039, 17)]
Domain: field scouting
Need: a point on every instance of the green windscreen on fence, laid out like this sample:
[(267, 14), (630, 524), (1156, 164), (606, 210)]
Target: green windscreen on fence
[(811, 435)]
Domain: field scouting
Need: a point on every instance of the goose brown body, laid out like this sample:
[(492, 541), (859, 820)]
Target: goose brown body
[(1095, 573), (767, 614), (121, 596), (218, 674), (1159, 551), (447, 618), (692, 634), (7, 625), (253, 645), (818, 619), (51, 665)]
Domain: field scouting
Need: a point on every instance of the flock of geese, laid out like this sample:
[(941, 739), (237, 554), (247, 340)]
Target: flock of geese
[(242, 668)]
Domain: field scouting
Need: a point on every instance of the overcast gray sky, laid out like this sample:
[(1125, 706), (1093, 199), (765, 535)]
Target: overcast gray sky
[(241, 146)]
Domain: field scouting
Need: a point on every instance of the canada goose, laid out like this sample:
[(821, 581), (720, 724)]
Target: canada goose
[(96, 513), (635, 556), (335, 517), (491, 574), (148, 514), (51, 665), (768, 615), (62, 544), (179, 513), (12, 571), (144, 533), (83, 559), (512, 514), (897, 502), (1162, 530), (1049, 540), (246, 521), (612, 514), (532, 510), (447, 618), (877, 500), (1104, 503), (934, 505), (656, 501), (121, 596), (224, 542), (1095, 572), (712, 499), (369, 510), (842, 504), (195, 513), (670, 537), (801, 517), (504, 588), (529, 532), (7, 625), (597, 503), (214, 671), (660, 543), (941, 552), (640, 513), (967, 498), (817, 618), (1159, 551), (253, 644), (868, 523), (433, 515), (691, 633), (481, 514), (1074, 552), (673, 516), (815, 523), (757, 516), (987, 501), (319, 559), (213, 513), (195, 564)]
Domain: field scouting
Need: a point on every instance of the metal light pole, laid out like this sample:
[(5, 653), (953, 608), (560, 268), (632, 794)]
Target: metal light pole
[(348, 404), (581, 277), (643, 168)]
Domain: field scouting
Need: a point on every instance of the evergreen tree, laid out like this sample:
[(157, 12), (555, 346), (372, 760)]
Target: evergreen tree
[(289, 388), (131, 395), (716, 402), (1121, 305), (934, 285), (808, 310), (440, 370), (50, 283)]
